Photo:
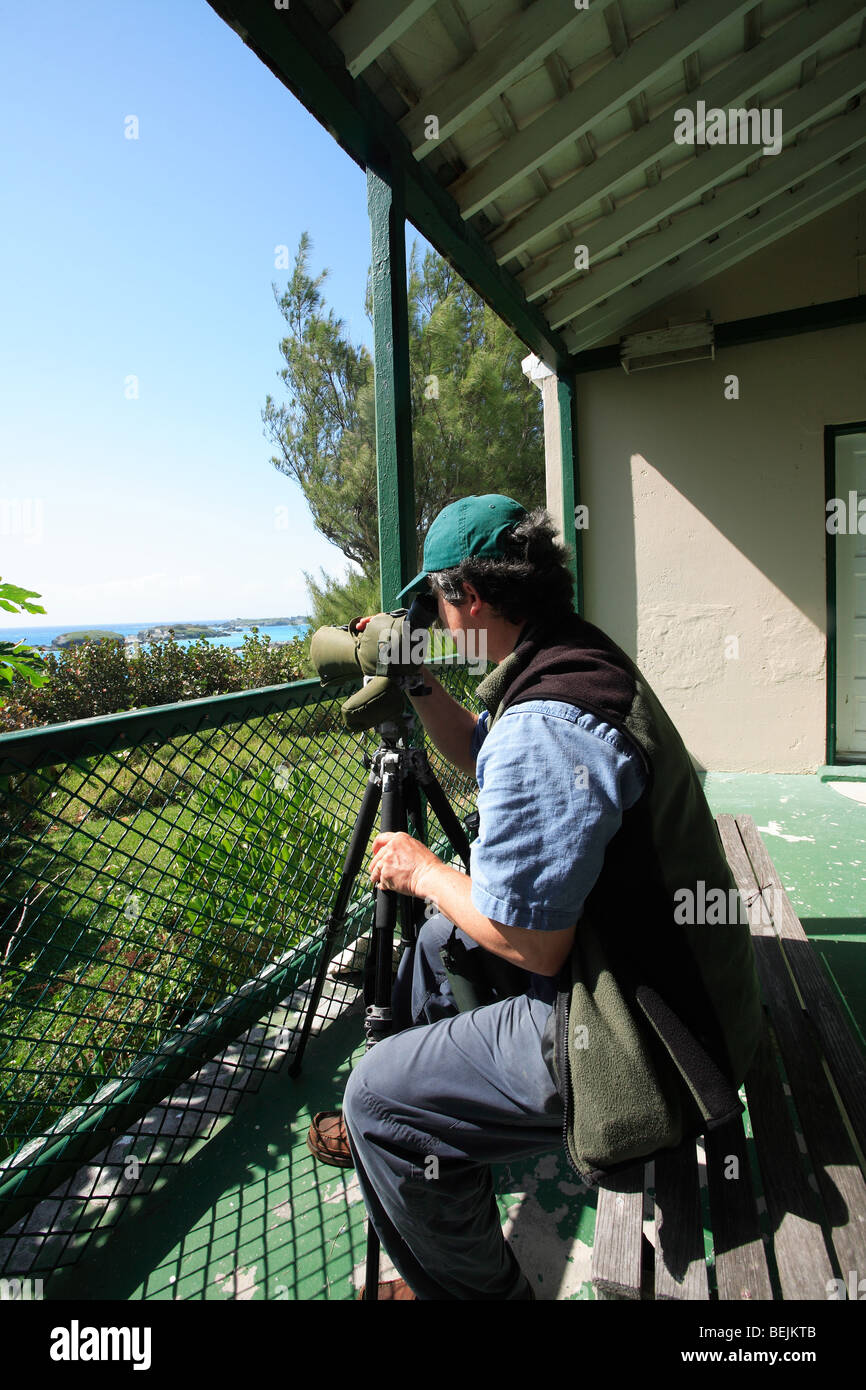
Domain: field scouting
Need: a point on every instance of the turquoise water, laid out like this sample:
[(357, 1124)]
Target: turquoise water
[(43, 636)]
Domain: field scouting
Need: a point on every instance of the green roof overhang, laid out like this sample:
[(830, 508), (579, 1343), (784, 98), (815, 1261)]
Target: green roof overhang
[(309, 63)]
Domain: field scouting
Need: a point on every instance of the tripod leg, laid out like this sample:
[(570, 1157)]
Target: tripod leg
[(445, 813), (393, 818), (351, 865), (378, 1020), (371, 1269), (412, 909)]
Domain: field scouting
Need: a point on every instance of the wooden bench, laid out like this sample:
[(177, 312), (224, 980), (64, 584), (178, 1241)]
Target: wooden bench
[(797, 1223)]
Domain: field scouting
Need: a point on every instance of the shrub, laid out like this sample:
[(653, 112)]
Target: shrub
[(98, 678)]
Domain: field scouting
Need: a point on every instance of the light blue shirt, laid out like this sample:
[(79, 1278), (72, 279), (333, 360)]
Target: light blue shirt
[(553, 782)]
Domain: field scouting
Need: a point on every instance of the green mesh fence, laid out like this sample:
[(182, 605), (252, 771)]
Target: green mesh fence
[(166, 876)]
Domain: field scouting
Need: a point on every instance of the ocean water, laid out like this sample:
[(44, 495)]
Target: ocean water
[(27, 631)]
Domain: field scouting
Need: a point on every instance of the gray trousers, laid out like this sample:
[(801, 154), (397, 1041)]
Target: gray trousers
[(429, 1108)]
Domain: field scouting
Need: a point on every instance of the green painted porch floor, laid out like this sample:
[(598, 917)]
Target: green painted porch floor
[(816, 837), (251, 1215)]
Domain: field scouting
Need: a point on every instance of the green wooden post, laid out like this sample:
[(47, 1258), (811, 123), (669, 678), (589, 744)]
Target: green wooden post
[(566, 394), (394, 468), (561, 477), (830, 562)]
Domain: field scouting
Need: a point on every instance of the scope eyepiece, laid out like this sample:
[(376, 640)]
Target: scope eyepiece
[(423, 611)]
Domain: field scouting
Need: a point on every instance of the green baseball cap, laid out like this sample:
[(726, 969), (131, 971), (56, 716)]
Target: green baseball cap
[(472, 526)]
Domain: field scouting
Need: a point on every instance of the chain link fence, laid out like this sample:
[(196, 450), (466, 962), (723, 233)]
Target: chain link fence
[(166, 876)]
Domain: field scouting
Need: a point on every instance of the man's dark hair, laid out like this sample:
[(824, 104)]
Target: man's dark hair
[(530, 580)]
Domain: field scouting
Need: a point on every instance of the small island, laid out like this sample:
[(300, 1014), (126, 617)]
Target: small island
[(78, 637), (298, 620), (182, 632)]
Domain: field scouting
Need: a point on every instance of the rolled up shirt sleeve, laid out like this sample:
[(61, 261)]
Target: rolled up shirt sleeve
[(479, 733), (553, 783)]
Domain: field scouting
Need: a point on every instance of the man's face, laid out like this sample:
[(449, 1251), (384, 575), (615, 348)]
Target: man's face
[(451, 617), (486, 635)]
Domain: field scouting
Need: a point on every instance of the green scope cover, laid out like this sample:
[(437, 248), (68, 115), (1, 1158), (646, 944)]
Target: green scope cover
[(384, 647), (379, 700), (334, 653), (342, 654)]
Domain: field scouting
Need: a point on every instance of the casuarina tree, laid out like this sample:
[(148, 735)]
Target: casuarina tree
[(476, 420)]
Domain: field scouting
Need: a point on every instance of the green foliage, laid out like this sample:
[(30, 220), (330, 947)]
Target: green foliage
[(262, 860), (261, 663), (16, 658), (17, 600), (477, 421), (98, 678), (326, 433), (337, 602)]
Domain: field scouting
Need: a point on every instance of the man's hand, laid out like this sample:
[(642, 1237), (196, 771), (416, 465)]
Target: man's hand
[(405, 865), (400, 862)]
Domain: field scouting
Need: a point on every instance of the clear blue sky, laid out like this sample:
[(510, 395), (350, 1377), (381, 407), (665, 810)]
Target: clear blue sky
[(154, 258)]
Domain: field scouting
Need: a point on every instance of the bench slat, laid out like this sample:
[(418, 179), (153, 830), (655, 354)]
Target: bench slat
[(792, 1205), (833, 1158), (794, 1209), (681, 1266), (845, 1058), (741, 1263), (740, 1272), (796, 1213), (839, 1178), (616, 1249)]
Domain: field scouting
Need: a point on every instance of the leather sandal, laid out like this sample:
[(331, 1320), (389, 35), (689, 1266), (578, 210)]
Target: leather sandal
[(396, 1289), (328, 1141)]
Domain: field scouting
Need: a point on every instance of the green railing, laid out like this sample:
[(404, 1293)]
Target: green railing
[(165, 879)]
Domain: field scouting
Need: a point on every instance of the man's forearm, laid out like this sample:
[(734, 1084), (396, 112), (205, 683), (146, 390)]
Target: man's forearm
[(449, 725), (539, 952)]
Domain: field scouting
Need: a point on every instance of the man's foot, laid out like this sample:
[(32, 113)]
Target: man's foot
[(328, 1141), (397, 1289)]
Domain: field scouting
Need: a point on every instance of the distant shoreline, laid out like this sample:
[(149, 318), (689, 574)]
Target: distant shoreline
[(221, 632)]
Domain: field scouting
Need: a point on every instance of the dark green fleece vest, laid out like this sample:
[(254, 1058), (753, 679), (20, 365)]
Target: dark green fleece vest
[(657, 1019)]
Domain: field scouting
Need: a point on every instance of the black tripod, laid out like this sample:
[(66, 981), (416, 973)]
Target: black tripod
[(397, 773)]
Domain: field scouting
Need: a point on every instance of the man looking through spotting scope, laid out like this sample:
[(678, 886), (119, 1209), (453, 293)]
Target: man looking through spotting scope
[(555, 996)]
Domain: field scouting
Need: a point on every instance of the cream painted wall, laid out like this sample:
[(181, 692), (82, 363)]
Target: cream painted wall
[(705, 552)]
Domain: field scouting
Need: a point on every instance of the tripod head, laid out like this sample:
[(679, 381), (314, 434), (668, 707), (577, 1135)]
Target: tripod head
[(390, 731)]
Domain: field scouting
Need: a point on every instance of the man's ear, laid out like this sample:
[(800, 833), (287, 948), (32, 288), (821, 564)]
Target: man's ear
[(475, 599)]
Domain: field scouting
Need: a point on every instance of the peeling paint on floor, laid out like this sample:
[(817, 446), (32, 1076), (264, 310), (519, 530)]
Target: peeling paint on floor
[(774, 828), (348, 1190), (239, 1284)]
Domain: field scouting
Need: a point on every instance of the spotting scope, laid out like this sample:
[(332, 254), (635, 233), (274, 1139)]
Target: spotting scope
[(388, 654)]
